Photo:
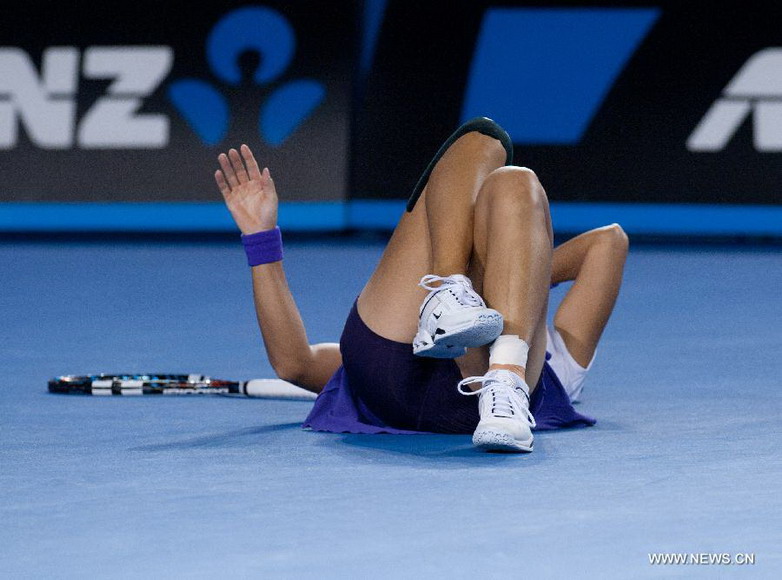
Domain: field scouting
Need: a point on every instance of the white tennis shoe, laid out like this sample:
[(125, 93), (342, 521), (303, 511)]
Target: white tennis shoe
[(506, 422), (453, 318)]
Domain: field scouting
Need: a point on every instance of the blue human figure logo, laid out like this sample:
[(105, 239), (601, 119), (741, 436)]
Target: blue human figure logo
[(267, 32)]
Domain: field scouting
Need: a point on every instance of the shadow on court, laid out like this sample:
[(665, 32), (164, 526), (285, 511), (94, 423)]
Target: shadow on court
[(433, 451), (236, 438)]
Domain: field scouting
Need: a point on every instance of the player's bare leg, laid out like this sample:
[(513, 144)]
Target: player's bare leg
[(512, 265), (437, 236)]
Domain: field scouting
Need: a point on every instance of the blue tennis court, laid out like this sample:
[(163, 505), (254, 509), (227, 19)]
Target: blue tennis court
[(684, 457)]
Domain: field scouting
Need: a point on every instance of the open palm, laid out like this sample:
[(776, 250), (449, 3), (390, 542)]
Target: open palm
[(249, 192)]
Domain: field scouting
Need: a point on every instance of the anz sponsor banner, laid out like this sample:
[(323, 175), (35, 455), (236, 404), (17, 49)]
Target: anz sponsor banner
[(661, 102), (132, 101)]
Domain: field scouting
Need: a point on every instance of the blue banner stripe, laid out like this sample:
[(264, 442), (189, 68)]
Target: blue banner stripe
[(670, 219), (159, 217), (542, 73), (568, 217), (636, 218)]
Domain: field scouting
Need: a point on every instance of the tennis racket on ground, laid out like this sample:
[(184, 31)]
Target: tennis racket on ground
[(166, 384)]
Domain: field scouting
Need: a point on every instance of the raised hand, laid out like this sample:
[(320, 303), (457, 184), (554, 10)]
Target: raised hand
[(249, 193)]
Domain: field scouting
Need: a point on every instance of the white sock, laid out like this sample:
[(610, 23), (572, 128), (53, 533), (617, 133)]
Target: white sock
[(509, 349)]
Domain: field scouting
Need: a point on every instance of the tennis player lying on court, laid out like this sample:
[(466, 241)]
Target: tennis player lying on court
[(449, 334)]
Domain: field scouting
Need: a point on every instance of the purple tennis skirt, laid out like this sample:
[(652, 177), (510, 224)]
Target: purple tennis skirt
[(382, 387)]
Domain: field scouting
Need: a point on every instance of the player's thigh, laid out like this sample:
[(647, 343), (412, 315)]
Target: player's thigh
[(389, 302)]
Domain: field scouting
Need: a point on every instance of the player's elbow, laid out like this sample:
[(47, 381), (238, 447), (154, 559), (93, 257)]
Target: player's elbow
[(290, 369), (291, 373), (301, 376)]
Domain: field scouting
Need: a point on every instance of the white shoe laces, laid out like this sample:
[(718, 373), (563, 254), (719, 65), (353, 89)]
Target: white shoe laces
[(461, 288), (501, 392)]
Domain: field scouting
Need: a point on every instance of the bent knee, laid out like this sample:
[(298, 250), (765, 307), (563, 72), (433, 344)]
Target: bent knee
[(478, 143), (514, 185), (614, 236)]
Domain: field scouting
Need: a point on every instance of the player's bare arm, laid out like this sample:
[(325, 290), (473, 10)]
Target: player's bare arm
[(251, 197)]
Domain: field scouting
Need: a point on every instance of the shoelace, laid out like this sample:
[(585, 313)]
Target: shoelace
[(502, 403), (462, 291)]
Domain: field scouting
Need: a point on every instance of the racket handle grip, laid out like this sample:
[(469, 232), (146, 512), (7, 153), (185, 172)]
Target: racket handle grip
[(277, 389)]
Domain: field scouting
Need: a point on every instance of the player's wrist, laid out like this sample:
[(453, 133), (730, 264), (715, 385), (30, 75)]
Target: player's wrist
[(254, 226), (263, 247), (256, 229), (253, 220)]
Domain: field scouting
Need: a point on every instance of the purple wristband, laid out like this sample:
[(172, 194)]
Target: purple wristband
[(263, 247)]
